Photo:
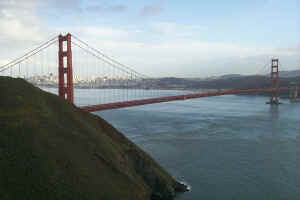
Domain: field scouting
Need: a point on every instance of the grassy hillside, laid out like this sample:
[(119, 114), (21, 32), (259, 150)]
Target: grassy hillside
[(50, 149)]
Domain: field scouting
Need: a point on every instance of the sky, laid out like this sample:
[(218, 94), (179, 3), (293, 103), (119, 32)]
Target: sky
[(163, 38)]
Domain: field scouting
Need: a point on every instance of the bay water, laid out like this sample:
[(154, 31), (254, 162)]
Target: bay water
[(227, 147)]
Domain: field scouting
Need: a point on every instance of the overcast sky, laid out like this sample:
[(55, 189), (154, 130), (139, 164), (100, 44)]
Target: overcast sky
[(192, 38)]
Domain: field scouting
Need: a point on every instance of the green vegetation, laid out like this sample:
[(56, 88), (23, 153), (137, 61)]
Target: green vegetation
[(49, 149)]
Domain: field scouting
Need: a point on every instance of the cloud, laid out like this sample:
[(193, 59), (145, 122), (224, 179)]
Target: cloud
[(5, 4), (76, 6), (291, 50), (21, 28), (19, 22), (188, 58), (173, 30), (153, 9), (104, 8), (62, 5), (101, 32), (155, 48)]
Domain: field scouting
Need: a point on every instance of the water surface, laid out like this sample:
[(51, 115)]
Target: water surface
[(228, 147)]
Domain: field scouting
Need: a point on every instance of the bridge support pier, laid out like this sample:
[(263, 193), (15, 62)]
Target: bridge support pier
[(65, 71), (274, 100), (294, 94)]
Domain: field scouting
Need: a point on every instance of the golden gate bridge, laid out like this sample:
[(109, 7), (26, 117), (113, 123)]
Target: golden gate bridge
[(67, 62)]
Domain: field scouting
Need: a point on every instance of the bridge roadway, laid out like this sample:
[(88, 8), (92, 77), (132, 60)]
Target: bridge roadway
[(109, 106)]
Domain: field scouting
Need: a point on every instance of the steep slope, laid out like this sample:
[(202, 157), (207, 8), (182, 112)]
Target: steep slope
[(50, 149)]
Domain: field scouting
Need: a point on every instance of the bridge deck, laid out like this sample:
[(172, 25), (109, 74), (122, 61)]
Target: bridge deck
[(125, 104)]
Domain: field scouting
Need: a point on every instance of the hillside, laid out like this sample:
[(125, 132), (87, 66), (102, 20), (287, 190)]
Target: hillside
[(51, 150)]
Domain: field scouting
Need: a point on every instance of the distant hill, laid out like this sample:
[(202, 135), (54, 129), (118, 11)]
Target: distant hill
[(230, 81), (282, 74), (289, 74), (51, 150), (244, 82), (228, 76)]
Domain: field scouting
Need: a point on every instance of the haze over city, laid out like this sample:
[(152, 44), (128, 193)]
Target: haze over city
[(163, 38)]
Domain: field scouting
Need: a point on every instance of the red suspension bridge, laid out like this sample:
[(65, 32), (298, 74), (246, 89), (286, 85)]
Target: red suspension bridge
[(75, 64)]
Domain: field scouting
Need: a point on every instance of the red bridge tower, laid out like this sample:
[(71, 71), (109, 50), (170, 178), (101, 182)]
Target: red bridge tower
[(65, 72), (275, 81)]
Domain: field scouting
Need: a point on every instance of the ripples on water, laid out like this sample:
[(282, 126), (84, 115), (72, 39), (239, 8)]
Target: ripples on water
[(228, 147)]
